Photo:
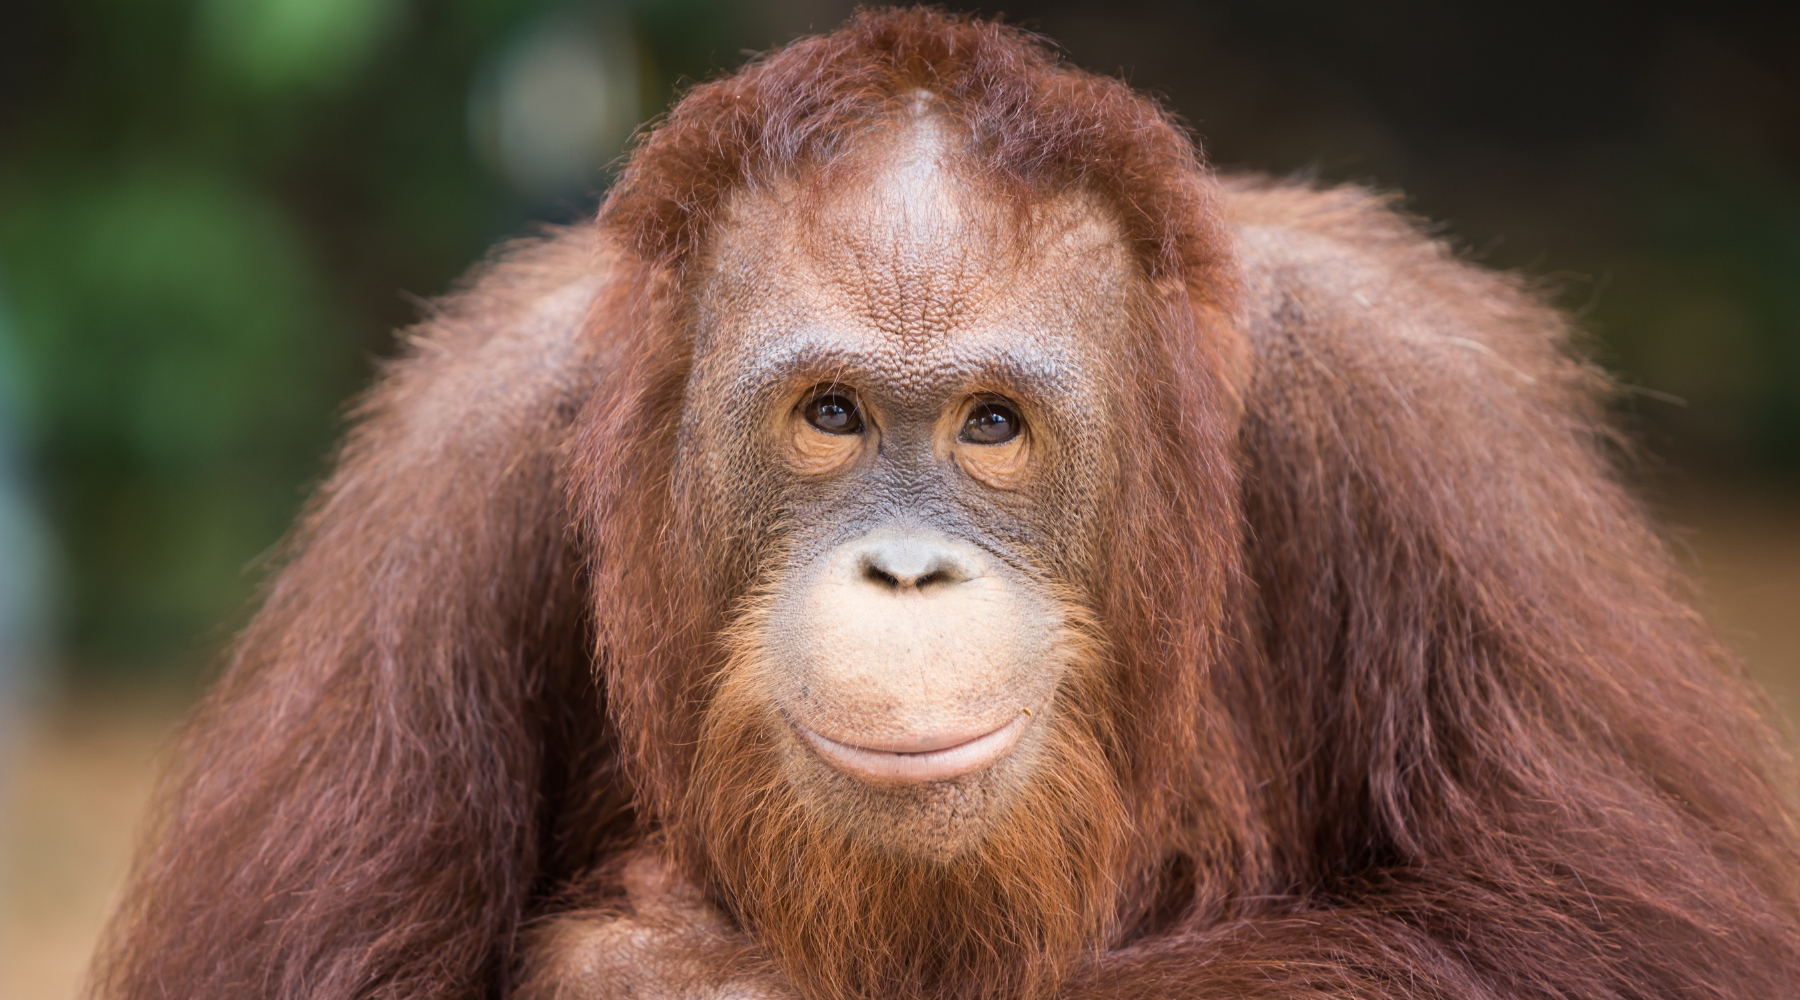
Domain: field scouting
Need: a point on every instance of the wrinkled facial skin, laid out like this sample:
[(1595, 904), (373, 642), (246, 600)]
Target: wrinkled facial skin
[(916, 584)]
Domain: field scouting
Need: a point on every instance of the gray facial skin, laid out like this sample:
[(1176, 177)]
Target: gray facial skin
[(916, 581)]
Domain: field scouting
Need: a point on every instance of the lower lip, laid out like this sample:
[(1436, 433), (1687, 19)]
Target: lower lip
[(929, 765)]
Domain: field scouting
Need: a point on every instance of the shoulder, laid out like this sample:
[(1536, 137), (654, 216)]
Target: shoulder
[(1342, 278)]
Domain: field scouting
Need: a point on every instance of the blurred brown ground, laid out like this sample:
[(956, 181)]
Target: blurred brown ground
[(79, 774)]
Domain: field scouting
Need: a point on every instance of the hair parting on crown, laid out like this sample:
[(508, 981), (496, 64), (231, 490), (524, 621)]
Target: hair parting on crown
[(1036, 126)]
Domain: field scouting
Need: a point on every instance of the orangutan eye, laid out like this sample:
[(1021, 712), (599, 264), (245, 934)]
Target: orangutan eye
[(992, 422), (834, 414)]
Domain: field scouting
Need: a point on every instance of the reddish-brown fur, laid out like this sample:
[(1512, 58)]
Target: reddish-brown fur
[(1404, 697)]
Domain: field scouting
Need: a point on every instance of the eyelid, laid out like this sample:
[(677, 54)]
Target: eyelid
[(976, 400), (820, 390)]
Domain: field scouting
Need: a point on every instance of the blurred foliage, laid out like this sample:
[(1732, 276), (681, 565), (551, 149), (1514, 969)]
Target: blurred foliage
[(214, 213)]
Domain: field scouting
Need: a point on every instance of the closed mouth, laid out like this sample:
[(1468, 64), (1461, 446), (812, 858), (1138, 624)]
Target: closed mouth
[(912, 766)]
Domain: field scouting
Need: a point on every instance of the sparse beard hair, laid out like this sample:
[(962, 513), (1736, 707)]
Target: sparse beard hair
[(993, 886)]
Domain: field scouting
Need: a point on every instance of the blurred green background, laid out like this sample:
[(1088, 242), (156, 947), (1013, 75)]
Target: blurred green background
[(214, 214)]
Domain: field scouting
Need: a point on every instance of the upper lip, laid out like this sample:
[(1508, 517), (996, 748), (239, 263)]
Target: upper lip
[(931, 758)]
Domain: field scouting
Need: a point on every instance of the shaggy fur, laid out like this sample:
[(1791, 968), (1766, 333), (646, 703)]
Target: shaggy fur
[(1396, 690)]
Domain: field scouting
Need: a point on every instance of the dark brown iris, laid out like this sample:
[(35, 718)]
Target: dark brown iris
[(991, 422), (834, 413)]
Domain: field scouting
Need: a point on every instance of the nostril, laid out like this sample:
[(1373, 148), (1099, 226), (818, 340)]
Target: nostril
[(935, 576), (912, 563), (875, 574)]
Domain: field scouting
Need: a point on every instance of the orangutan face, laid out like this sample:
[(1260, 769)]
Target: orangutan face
[(916, 403)]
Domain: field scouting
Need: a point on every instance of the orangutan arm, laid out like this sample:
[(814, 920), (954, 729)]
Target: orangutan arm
[(351, 811)]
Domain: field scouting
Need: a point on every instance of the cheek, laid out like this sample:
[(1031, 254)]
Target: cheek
[(734, 496), (1072, 507)]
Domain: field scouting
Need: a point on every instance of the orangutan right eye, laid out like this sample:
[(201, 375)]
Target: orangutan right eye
[(834, 413)]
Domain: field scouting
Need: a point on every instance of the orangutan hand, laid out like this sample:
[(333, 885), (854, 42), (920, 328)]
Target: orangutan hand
[(674, 945)]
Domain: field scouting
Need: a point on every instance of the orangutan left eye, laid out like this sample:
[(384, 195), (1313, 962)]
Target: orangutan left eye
[(992, 422)]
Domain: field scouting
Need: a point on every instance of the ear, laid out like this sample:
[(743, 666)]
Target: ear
[(1464, 618), (355, 808)]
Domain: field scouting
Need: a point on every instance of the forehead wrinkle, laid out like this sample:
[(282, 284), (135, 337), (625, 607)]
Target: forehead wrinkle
[(982, 357), (915, 274), (916, 296), (1070, 268), (898, 235), (976, 357), (1033, 330), (901, 233)]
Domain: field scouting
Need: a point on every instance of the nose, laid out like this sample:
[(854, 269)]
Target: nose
[(914, 562)]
